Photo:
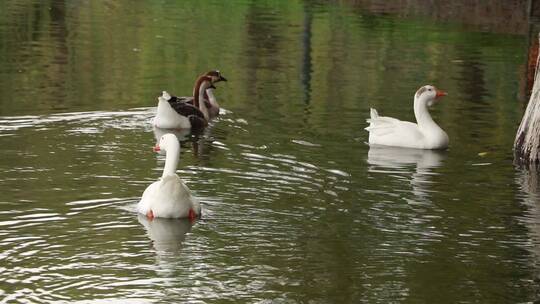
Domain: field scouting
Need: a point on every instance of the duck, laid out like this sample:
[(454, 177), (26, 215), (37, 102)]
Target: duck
[(188, 112), (169, 197), (424, 134)]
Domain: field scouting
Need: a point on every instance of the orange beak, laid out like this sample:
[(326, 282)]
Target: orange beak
[(440, 93), (157, 148)]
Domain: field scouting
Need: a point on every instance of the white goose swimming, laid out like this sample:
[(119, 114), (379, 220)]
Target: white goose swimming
[(425, 134), (169, 197), (189, 112)]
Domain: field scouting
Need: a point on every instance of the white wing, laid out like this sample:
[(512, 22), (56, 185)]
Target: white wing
[(393, 132)]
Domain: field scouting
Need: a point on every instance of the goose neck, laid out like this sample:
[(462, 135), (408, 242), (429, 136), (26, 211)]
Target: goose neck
[(171, 159), (212, 98), (199, 90), (421, 112)]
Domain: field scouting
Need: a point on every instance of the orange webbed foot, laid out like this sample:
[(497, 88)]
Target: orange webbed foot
[(191, 215)]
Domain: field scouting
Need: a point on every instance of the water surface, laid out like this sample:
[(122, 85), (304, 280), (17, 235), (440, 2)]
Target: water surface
[(297, 208)]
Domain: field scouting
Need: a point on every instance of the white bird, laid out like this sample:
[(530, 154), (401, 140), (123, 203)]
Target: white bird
[(169, 197), (425, 134)]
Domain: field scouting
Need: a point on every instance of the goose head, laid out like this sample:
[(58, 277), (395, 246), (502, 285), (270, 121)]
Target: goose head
[(166, 142), (428, 95), (215, 76)]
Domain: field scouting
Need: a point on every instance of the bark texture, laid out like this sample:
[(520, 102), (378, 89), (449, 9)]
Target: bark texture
[(527, 142)]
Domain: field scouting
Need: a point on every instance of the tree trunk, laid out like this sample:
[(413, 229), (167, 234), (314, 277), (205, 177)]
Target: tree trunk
[(527, 142)]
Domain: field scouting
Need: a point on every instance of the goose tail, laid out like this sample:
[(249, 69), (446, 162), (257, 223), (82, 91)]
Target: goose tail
[(373, 116)]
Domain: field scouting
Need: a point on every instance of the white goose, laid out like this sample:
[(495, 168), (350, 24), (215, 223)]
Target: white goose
[(169, 197), (425, 134)]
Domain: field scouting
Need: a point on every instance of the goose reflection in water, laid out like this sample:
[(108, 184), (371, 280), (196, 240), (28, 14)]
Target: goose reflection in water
[(419, 162), (167, 235)]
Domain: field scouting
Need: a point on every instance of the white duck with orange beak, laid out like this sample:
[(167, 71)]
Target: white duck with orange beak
[(424, 134)]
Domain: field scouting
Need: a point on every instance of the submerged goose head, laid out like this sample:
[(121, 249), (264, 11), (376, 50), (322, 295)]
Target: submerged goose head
[(428, 95), (164, 96)]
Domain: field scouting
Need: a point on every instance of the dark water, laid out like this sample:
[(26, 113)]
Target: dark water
[(297, 208)]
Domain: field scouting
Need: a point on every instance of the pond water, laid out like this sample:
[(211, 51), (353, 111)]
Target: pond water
[(297, 207)]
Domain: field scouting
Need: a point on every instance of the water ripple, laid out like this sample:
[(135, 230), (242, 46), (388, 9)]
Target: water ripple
[(131, 119)]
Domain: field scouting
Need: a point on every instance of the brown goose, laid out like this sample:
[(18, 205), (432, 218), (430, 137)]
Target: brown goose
[(173, 113), (192, 112), (209, 98)]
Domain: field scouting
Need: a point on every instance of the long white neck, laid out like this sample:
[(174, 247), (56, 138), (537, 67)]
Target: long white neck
[(212, 98), (423, 118), (172, 157)]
